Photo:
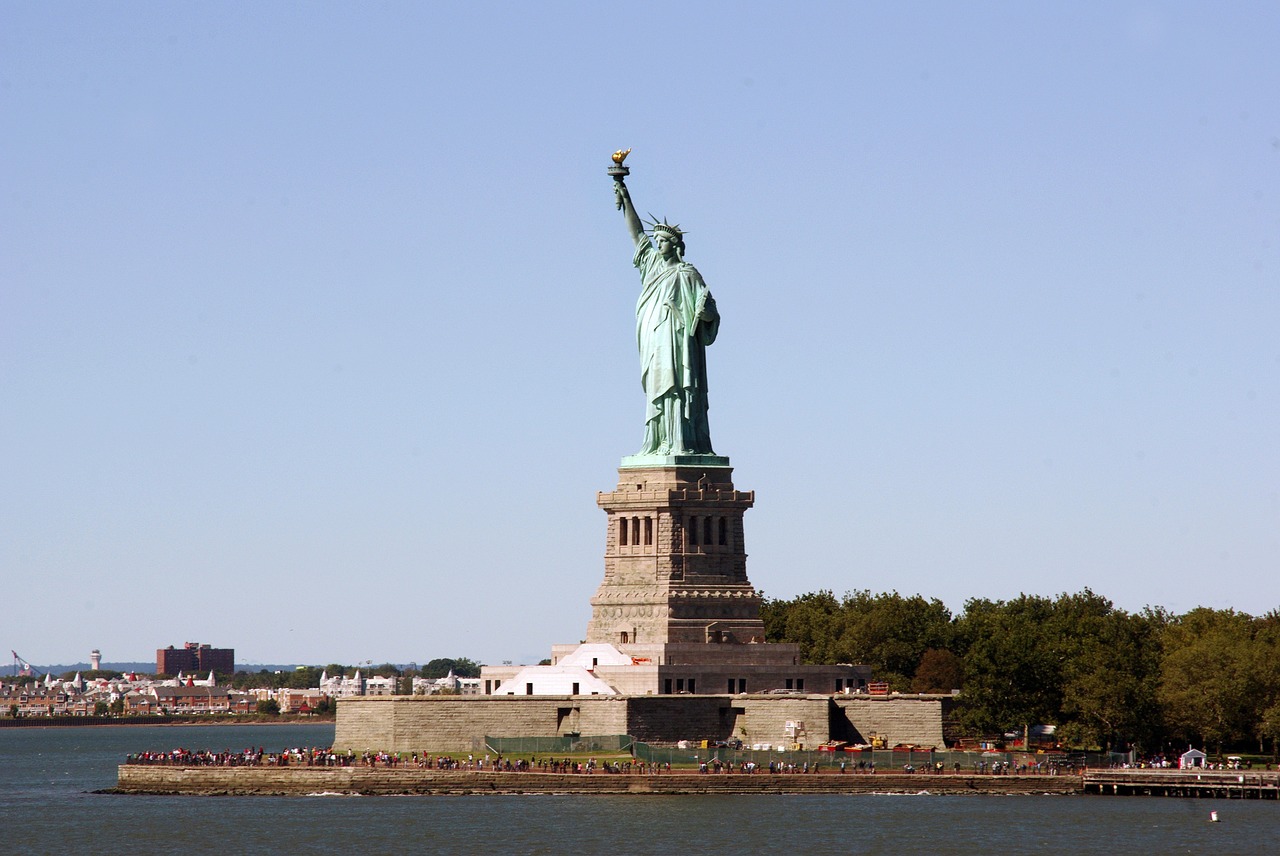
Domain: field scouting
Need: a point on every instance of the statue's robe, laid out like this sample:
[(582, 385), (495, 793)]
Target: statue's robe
[(676, 319)]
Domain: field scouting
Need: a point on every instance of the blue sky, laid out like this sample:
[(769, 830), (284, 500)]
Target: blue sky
[(316, 319)]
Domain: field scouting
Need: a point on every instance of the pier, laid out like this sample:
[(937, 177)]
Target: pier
[(1216, 784)]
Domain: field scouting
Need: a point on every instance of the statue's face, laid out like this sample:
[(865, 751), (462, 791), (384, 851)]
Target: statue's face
[(666, 245)]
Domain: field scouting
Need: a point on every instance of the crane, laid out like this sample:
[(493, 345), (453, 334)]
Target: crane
[(27, 669)]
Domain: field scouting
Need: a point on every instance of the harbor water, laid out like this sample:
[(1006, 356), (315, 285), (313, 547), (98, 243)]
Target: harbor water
[(47, 805)]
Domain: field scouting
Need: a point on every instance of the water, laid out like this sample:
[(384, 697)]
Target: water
[(47, 774)]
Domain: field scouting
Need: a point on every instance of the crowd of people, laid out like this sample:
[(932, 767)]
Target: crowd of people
[(251, 757), (327, 757), (1164, 762)]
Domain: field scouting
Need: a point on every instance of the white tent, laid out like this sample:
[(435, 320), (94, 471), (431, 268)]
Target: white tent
[(590, 655), (573, 675), (1191, 758), (554, 680)]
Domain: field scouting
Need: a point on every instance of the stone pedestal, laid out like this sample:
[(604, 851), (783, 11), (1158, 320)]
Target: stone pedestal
[(675, 613), (675, 560)]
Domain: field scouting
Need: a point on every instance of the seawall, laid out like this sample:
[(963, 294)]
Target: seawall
[(460, 723), (303, 781)]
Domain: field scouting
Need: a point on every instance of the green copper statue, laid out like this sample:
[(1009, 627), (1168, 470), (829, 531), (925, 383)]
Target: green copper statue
[(676, 319)]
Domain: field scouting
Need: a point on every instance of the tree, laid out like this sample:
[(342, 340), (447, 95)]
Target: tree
[(269, 706), (888, 632), (1267, 665), (440, 667), (1110, 678), (303, 677), (810, 621), (99, 708), (1268, 728), (891, 633), (940, 671), (1208, 678), (1011, 676)]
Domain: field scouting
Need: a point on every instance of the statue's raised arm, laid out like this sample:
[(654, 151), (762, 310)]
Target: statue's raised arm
[(676, 319), (623, 196)]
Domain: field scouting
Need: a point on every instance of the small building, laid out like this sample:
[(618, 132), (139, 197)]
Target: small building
[(1190, 759), (381, 686), (295, 700), (193, 699), (340, 686), (450, 684), (139, 704)]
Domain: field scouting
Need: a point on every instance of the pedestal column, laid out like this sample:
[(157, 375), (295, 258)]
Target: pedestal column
[(675, 559)]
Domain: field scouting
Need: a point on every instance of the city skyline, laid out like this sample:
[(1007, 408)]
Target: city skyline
[(316, 325)]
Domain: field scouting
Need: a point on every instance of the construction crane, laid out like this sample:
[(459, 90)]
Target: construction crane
[(26, 670)]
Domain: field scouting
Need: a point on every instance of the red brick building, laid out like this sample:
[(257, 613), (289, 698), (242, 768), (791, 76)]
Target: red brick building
[(194, 657)]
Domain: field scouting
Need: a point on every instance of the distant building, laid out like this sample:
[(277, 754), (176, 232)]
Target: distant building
[(449, 684), (194, 657), (341, 687), (193, 699), (302, 701), (380, 686)]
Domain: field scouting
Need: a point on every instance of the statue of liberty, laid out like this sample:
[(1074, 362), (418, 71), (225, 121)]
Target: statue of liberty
[(676, 319)]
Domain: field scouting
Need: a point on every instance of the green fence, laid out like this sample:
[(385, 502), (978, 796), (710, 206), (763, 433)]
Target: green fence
[(883, 760), (573, 744)]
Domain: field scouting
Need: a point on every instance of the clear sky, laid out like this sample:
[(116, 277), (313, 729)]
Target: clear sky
[(316, 319)]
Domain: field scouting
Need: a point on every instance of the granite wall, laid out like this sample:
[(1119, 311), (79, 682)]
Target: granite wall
[(460, 723)]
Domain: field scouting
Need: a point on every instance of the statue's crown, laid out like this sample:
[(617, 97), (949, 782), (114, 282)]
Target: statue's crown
[(672, 229)]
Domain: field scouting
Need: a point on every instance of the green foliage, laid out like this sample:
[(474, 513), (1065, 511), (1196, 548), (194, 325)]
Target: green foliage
[(891, 633), (440, 667), (1012, 668), (269, 706), (888, 632), (304, 677), (1107, 678), (301, 678), (1212, 675), (100, 708)]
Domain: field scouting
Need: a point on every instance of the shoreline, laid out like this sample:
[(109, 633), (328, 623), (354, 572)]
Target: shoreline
[(362, 780), (382, 781)]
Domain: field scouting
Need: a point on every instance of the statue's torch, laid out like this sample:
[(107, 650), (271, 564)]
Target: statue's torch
[(619, 171)]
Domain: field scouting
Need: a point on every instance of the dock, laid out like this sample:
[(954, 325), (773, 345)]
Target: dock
[(1215, 784)]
